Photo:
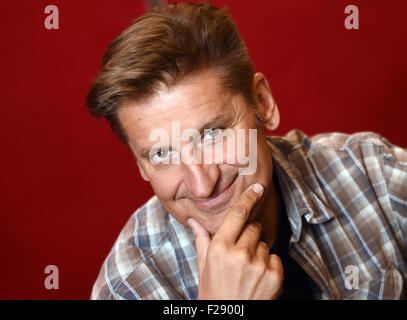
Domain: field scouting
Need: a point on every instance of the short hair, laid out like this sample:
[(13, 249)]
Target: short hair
[(163, 47)]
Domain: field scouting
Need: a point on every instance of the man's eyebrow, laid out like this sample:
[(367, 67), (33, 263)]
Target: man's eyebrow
[(218, 121)]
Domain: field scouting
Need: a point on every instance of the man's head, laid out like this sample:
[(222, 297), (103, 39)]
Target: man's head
[(185, 64)]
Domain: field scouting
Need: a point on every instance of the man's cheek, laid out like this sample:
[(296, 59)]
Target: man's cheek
[(166, 183)]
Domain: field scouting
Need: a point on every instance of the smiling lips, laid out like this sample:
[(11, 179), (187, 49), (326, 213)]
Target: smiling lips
[(217, 200)]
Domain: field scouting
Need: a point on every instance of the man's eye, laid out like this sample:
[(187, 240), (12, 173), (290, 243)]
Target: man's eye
[(212, 134), (160, 156), (162, 153)]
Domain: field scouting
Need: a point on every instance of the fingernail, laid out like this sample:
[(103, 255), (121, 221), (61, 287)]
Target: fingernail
[(258, 224), (258, 188)]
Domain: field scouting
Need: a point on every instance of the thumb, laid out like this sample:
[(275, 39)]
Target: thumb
[(202, 241)]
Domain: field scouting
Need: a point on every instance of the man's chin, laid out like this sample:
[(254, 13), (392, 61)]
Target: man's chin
[(213, 223)]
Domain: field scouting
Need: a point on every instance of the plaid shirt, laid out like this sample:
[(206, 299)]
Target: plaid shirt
[(346, 201)]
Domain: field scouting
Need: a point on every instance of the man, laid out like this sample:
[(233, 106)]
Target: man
[(322, 217)]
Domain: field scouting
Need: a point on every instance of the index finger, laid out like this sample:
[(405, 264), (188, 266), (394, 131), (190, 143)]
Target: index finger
[(238, 214)]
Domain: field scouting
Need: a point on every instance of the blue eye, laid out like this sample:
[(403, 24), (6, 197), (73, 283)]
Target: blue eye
[(213, 133), (160, 156), (162, 153)]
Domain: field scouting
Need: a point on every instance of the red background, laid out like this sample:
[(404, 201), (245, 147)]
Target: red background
[(68, 186)]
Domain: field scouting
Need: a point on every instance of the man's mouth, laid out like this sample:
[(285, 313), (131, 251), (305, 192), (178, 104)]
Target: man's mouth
[(218, 200)]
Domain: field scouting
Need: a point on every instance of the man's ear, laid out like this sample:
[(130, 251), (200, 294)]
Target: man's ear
[(142, 172), (266, 105)]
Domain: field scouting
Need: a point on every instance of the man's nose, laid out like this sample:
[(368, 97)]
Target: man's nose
[(201, 179)]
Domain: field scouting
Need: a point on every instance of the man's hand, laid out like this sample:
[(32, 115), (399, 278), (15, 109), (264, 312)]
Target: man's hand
[(234, 264)]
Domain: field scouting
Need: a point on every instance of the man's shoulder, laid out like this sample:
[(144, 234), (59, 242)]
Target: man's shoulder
[(143, 235), (297, 139), (150, 225), (147, 229), (297, 142)]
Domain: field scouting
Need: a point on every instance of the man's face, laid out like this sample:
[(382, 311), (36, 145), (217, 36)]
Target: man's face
[(195, 190)]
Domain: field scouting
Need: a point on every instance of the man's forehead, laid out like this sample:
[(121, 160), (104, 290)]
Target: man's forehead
[(180, 101), (138, 121), (139, 118)]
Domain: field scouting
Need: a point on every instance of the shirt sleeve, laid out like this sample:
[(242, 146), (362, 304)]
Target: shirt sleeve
[(143, 283), (101, 290), (395, 172)]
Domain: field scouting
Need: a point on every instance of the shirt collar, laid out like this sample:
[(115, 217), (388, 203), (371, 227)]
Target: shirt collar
[(299, 198)]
